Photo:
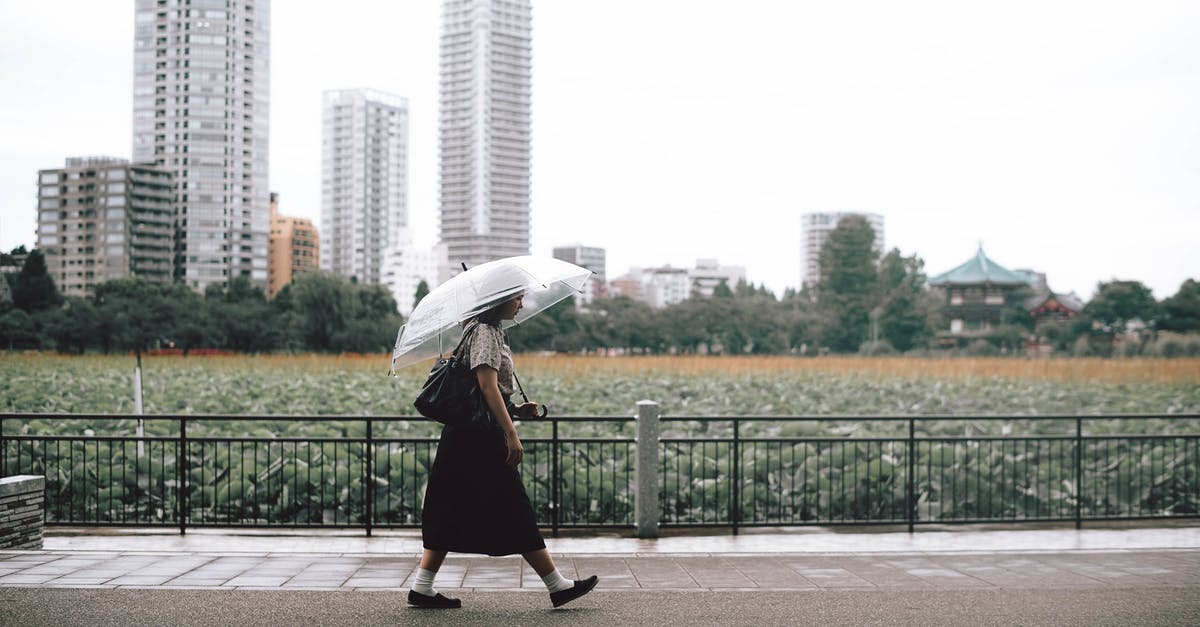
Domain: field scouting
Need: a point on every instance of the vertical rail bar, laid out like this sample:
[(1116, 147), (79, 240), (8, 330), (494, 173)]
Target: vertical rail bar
[(735, 512), (911, 504), (555, 464), (183, 476), (1078, 472), (369, 477)]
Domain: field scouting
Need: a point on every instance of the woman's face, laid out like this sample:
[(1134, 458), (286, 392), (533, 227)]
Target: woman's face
[(510, 309)]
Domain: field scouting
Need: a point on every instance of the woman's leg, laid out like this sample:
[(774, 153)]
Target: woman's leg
[(562, 590), (432, 560), (541, 561)]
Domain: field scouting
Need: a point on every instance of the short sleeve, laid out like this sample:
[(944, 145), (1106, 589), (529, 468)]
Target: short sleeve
[(485, 348)]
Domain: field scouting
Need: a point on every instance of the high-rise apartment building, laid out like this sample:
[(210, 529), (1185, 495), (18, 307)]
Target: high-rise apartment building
[(364, 180), (200, 104), (815, 229), (295, 248), (102, 218), (484, 129)]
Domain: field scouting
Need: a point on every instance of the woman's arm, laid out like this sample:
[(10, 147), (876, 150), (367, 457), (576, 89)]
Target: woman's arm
[(490, 388)]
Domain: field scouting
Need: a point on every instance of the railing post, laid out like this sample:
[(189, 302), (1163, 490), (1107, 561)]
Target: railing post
[(1078, 472), (369, 478), (555, 464), (3, 450), (183, 476), (647, 508), (910, 500), (735, 508)]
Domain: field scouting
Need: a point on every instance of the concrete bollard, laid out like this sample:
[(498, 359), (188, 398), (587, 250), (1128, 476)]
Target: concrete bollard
[(646, 506)]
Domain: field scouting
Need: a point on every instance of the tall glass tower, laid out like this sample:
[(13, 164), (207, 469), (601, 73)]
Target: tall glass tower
[(484, 128), (200, 104), (364, 180)]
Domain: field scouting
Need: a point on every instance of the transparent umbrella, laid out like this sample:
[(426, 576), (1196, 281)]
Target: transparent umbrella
[(435, 325)]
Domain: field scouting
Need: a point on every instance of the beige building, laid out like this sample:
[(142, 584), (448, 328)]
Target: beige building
[(102, 218), (295, 248)]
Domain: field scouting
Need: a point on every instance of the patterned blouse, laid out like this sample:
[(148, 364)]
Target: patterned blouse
[(487, 347)]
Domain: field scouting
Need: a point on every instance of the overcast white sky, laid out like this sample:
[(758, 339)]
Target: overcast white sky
[(1064, 135)]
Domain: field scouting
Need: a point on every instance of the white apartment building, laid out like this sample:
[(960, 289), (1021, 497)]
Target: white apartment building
[(405, 266), (708, 274), (484, 129), (592, 258), (200, 109), (815, 229), (364, 180)]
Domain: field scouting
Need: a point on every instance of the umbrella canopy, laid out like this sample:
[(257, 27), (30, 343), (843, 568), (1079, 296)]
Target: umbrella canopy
[(435, 325)]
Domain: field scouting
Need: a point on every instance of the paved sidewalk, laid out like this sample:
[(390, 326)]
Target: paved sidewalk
[(1096, 558), (1031, 577)]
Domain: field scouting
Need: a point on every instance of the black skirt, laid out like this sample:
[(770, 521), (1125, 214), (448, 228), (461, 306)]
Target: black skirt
[(476, 503)]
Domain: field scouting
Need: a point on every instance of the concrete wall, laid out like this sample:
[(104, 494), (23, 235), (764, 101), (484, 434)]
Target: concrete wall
[(21, 515)]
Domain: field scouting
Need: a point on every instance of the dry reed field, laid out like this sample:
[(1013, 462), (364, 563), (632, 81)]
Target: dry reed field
[(1132, 370)]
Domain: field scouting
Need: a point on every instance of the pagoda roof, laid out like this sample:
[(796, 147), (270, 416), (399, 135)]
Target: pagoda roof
[(979, 270)]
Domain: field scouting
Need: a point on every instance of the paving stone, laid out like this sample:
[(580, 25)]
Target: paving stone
[(139, 580), (371, 582), (252, 580)]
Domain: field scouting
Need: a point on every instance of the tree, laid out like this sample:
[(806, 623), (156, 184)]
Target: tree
[(422, 292), (1181, 312), (72, 327), (34, 288), (847, 289), (336, 315), (903, 323), (1116, 303), (17, 330), (135, 314)]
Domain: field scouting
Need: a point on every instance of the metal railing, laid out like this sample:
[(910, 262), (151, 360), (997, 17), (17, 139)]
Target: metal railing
[(735, 471)]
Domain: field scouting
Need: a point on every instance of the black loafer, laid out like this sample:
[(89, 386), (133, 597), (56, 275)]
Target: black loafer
[(437, 601), (562, 597)]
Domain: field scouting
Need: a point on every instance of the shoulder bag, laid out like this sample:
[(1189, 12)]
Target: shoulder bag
[(451, 392)]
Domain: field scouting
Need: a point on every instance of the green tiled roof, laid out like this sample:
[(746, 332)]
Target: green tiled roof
[(978, 270)]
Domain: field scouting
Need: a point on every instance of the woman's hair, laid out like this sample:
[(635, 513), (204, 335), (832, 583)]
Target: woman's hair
[(492, 315)]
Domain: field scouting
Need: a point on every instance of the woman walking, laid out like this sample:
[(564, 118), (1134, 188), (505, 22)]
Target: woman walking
[(475, 501)]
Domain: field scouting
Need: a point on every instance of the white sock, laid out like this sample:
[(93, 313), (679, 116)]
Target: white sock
[(555, 582), (424, 583)]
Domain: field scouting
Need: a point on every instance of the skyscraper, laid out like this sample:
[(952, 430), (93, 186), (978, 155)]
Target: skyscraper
[(484, 128), (200, 104), (364, 180), (815, 229)]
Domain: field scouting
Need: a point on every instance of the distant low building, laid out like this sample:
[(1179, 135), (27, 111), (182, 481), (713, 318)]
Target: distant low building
[(708, 274), (405, 267), (295, 248), (592, 258), (977, 293), (668, 285)]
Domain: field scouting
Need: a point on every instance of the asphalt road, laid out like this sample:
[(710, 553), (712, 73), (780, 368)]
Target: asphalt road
[(1159, 606)]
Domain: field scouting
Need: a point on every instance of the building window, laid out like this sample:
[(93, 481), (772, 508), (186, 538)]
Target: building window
[(956, 325), (956, 298)]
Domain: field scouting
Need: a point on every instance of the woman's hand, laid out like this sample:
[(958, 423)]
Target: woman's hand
[(516, 452), (526, 410)]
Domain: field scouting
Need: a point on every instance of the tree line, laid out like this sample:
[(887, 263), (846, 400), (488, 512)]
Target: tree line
[(865, 303)]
